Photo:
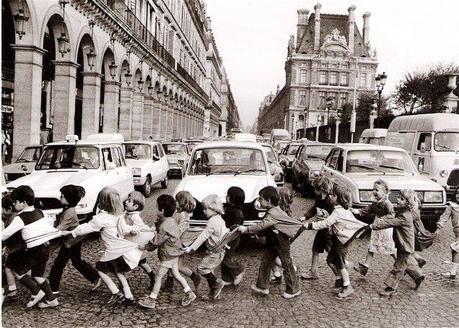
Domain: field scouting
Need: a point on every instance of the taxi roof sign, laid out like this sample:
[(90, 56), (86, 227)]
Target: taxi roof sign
[(71, 138)]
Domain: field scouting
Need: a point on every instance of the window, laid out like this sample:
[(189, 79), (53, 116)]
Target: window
[(344, 79), (363, 80), (303, 76), (322, 77), (323, 65), (426, 139), (334, 78), (343, 98), (333, 95), (302, 99), (116, 157), (322, 96)]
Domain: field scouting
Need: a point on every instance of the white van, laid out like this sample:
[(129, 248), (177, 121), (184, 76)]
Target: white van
[(373, 136), (279, 134), (432, 140)]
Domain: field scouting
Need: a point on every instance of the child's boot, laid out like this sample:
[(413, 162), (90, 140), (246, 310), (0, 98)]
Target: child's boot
[(361, 268), (345, 292)]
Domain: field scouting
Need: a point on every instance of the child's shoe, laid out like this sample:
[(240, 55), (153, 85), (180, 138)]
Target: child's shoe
[(35, 299), (421, 262), (259, 291), (12, 293), (147, 302), (290, 296), (188, 298), (339, 283), (47, 304), (196, 278), (216, 291), (449, 275), (238, 278), (418, 282), (361, 268), (345, 292), (116, 298), (386, 292), (309, 275)]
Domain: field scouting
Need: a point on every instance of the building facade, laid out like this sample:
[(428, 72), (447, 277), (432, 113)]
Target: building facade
[(328, 60), (230, 115), (137, 67)]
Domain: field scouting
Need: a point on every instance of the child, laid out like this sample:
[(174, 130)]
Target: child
[(36, 230), (380, 240), (120, 255), (14, 247), (344, 227), (71, 247), (132, 227), (322, 207), (403, 238), (214, 231), (422, 237), (279, 228), (232, 271), (169, 250), (452, 211)]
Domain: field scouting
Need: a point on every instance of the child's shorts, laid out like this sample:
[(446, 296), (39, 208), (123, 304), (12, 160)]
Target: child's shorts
[(18, 262), (117, 265), (37, 258), (169, 264), (337, 255), (210, 262), (322, 241)]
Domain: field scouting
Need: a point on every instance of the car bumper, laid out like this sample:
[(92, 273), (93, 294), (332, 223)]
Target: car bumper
[(174, 171), (139, 181)]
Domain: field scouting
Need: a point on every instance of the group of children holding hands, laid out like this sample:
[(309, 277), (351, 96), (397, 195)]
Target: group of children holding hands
[(127, 239)]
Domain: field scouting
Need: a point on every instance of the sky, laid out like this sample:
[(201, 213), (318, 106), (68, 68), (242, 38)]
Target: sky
[(252, 38)]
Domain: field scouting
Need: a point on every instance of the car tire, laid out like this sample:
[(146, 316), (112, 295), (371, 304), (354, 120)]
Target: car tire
[(146, 188), (164, 183)]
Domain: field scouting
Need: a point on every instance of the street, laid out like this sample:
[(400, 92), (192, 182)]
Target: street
[(433, 305)]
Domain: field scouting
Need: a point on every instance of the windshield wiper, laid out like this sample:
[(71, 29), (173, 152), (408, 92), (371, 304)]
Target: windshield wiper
[(392, 167), (363, 167), (248, 171), (444, 147)]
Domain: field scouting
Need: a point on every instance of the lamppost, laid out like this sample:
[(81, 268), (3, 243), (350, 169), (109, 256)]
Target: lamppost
[(380, 83), (329, 101)]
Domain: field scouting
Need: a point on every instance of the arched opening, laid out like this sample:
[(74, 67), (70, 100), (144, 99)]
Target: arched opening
[(48, 77), (79, 93)]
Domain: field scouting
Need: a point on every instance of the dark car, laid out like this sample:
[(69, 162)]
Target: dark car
[(308, 163), (286, 158)]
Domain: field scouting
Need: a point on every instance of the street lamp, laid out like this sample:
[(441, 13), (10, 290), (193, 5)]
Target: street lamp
[(91, 58), (62, 42), (128, 77), (329, 101), (380, 83), (140, 84), (20, 18), (112, 68)]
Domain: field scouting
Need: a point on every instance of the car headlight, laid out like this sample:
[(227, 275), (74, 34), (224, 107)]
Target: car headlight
[(443, 173), (314, 173), (136, 171), (433, 197), (365, 195)]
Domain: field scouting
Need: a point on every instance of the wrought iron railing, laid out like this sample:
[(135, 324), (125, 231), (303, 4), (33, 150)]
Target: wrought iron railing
[(183, 73)]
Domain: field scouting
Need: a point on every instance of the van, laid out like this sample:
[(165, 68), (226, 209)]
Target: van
[(279, 134), (373, 136), (432, 141)]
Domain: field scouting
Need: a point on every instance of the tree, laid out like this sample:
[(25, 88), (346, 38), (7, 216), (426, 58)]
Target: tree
[(365, 105), (346, 112), (424, 91)]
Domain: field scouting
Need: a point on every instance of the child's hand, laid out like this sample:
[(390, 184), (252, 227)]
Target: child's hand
[(187, 250), (135, 231), (66, 233), (302, 219), (242, 229)]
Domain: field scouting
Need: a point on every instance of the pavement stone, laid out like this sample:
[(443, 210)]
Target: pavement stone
[(435, 304)]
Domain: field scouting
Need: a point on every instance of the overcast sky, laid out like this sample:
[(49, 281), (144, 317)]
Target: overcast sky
[(252, 37)]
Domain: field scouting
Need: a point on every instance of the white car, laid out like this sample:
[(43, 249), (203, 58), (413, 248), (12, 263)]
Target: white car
[(216, 166), (148, 164), (24, 164), (177, 154), (358, 166), (93, 163), (274, 166)]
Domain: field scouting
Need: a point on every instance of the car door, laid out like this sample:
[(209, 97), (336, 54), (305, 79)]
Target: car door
[(122, 174), (296, 162), (422, 152), (164, 165), (155, 165)]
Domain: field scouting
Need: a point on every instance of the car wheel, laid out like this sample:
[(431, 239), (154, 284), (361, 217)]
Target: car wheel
[(146, 188), (164, 183)]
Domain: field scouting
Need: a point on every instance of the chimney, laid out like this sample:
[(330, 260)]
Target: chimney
[(317, 26), (366, 28), (351, 21), (301, 26)]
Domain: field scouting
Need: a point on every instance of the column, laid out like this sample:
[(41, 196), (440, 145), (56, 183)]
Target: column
[(27, 97), (163, 129), (91, 103), (366, 28), (148, 117), (126, 111), (111, 106), (64, 99), (156, 118), (170, 119), (137, 115)]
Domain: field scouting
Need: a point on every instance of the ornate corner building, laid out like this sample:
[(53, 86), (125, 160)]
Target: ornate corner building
[(330, 59), (136, 67)]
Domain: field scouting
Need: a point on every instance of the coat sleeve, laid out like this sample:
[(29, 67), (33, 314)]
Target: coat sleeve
[(444, 217), (124, 228), (68, 221), (326, 223), (388, 222), (266, 223), (15, 225), (203, 236), (96, 224)]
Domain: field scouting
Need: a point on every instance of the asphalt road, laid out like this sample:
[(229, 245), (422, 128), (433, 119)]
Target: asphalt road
[(435, 304)]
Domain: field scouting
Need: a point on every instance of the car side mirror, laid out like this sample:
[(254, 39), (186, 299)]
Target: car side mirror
[(111, 166)]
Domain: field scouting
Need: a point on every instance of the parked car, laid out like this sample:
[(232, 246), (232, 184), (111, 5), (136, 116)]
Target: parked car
[(148, 164), (358, 166), (93, 163), (307, 165), (24, 164), (286, 158), (177, 154), (274, 166), (216, 166), (432, 141), (373, 136)]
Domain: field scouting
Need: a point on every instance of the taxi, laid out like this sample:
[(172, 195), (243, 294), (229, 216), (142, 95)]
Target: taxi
[(24, 164), (93, 163)]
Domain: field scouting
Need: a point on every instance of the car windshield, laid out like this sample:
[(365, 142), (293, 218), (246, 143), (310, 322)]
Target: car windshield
[(174, 149), (270, 154), (317, 152), (227, 160), (446, 141), (292, 149), (137, 151), (30, 154), (69, 157), (382, 161)]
